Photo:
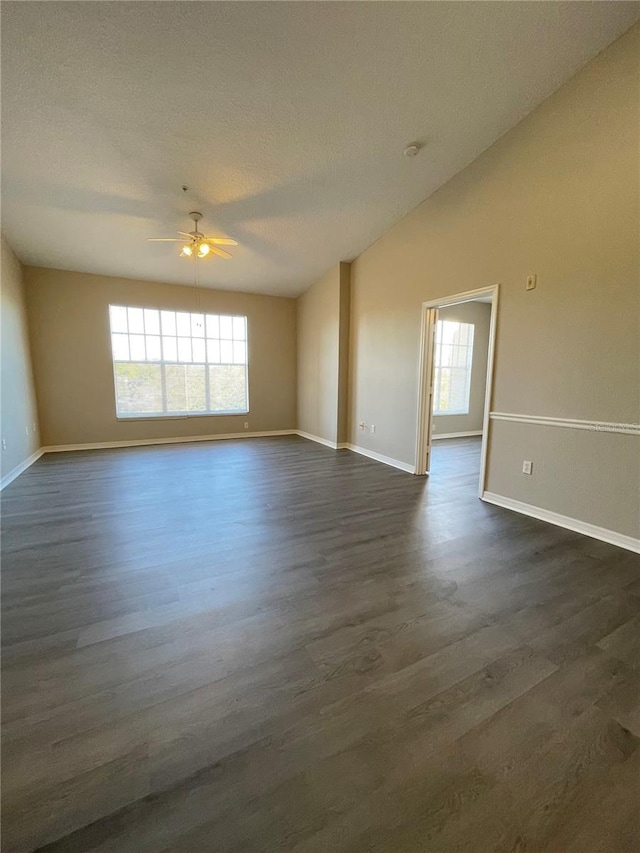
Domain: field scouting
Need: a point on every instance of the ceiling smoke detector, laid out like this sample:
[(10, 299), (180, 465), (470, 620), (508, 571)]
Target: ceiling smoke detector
[(412, 150)]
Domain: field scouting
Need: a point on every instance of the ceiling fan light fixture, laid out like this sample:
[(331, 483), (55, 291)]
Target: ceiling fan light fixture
[(195, 244)]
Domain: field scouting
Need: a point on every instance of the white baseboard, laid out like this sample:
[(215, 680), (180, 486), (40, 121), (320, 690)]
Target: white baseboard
[(332, 444), (11, 476), (183, 439), (456, 434), (386, 460), (592, 530)]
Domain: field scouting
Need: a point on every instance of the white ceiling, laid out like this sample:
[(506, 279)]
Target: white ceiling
[(287, 120)]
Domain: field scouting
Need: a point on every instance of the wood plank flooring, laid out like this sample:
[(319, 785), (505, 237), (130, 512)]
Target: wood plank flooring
[(266, 645)]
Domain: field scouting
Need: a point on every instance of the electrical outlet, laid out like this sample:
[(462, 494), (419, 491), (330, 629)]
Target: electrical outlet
[(4, 444), (527, 467), (246, 424), (532, 281), (373, 429), (35, 427)]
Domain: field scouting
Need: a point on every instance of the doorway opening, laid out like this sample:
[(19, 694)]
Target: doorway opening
[(457, 349)]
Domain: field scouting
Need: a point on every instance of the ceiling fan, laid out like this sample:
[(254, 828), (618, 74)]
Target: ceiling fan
[(195, 243)]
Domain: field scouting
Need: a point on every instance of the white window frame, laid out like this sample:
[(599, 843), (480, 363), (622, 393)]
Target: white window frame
[(164, 363), (439, 367)]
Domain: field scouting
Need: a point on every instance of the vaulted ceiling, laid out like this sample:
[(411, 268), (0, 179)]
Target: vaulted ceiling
[(286, 120)]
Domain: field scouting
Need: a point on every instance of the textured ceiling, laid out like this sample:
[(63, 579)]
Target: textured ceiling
[(286, 120)]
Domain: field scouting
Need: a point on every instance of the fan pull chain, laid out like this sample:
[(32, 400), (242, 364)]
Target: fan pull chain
[(197, 282)]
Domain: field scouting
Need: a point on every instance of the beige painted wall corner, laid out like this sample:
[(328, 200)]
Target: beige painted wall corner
[(19, 411)]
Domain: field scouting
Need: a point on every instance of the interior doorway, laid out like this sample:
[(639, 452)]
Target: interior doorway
[(446, 393)]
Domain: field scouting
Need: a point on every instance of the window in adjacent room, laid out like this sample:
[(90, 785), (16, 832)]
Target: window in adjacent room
[(452, 370), (178, 363)]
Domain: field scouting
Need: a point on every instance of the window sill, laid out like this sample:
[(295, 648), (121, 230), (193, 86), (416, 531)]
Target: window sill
[(180, 417)]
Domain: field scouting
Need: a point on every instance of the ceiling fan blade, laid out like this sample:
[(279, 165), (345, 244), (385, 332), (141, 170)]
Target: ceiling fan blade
[(220, 252), (185, 234), (221, 241), (165, 240)]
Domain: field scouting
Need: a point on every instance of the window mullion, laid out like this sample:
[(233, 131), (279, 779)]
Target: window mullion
[(163, 386), (207, 391), (144, 335), (163, 377)]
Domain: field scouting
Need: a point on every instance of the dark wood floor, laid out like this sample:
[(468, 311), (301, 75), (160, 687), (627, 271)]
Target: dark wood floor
[(266, 645)]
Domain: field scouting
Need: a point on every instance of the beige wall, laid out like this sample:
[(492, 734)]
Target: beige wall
[(478, 314), (593, 477), (343, 355), (68, 315), (557, 196), (19, 411), (323, 340)]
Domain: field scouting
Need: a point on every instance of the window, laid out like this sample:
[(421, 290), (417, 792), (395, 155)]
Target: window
[(452, 370), (176, 363)]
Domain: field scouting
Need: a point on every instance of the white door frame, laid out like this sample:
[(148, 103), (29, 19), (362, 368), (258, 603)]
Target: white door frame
[(427, 341)]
